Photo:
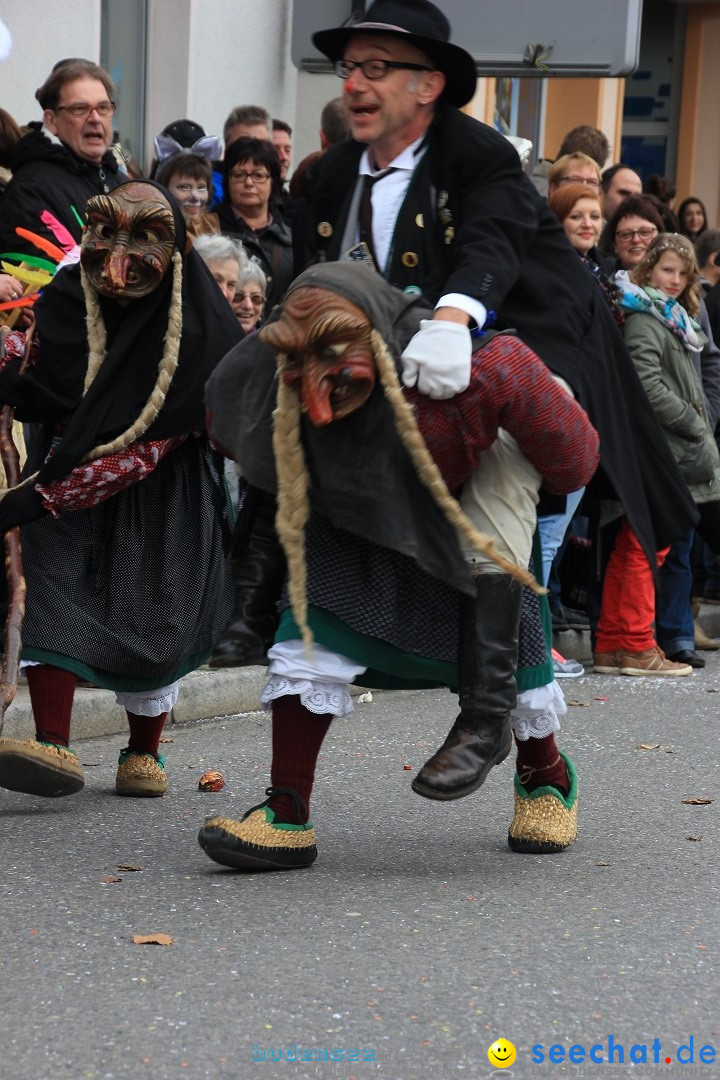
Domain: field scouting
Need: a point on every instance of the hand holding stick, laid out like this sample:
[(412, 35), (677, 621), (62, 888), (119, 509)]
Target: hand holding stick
[(13, 555)]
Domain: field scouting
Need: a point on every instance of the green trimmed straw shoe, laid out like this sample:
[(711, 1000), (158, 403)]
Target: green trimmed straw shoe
[(258, 842), (39, 768), (140, 774), (545, 821)]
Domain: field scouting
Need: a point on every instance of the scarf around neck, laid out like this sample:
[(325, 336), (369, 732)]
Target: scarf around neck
[(668, 311)]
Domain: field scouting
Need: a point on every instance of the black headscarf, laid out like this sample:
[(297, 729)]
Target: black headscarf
[(362, 477), (135, 339)]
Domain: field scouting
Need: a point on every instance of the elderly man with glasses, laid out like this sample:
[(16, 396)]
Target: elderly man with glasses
[(63, 160)]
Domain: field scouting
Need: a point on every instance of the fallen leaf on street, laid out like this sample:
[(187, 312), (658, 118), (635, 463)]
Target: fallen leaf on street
[(166, 739), (130, 869), (713, 690), (602, 698), (648, 746), (693, 837), (697, 801), (110, 880), (580, 704), (152, 939), (407, 767), (602, 864)]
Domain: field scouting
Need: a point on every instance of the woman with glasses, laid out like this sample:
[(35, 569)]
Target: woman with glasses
[(630, 231), (249, 210), (249, 300)]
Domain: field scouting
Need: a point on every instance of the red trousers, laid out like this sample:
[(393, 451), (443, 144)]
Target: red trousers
[(628, 600)]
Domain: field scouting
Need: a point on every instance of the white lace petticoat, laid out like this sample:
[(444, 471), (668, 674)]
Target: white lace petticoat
[(536, 714), (318, 697)]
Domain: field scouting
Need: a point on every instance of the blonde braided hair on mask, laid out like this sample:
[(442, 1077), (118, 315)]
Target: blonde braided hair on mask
[(293, 504), (293, 480), (97, 344)]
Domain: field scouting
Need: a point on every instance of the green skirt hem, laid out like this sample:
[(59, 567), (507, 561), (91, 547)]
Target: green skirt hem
[(109, 680)]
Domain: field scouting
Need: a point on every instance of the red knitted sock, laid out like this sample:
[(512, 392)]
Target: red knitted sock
[(297, 735), (51, 695), (539, 763), (145, 732)]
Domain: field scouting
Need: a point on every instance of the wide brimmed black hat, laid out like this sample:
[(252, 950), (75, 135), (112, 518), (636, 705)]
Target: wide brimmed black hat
[(421, 24)]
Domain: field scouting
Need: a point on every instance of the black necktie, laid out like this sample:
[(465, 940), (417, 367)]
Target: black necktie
[(365, 211)]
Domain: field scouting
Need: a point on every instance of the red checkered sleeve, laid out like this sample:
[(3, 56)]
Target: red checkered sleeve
[(90, 484), (510, 387)]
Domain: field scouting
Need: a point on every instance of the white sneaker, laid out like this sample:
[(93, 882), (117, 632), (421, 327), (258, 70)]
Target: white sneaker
[(567, 669)]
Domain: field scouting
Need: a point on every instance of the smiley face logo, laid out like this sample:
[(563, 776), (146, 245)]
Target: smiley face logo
[(501, 1054)]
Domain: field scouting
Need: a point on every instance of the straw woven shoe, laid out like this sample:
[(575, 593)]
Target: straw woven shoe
[(140, 774), (545, 821), (39, 768), (258, 841)]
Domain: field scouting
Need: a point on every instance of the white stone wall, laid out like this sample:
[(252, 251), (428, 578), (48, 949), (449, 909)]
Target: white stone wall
[(204, 57), (207, 56), (43, 31)]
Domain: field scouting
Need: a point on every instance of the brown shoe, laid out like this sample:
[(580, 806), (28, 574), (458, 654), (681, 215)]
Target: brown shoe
[(652, 662), (607, 663)]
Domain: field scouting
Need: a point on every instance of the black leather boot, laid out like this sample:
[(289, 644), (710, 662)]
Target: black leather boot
[(259, 571), (487, 660)]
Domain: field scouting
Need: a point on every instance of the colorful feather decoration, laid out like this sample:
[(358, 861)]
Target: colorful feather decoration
[(64, 238), (40, 242)]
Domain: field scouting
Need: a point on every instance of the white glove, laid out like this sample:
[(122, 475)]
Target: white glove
[(437, 359)]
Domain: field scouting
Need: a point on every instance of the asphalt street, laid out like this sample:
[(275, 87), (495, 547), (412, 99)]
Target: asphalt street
[(415, 941)]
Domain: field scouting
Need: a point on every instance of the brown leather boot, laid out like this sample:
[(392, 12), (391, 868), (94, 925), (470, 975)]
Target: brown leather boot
[(487, 660)]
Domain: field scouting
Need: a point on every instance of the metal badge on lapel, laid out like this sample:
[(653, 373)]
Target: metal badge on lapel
[(420, 221), (409, 259), (325, 228)]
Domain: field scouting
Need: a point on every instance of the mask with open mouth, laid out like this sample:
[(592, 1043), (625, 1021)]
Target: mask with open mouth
[(329, 357), (129, 242)]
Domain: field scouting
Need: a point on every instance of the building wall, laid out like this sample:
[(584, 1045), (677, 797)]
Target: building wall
[(698, 159), (43, 31), (570, 102), (218, 55)]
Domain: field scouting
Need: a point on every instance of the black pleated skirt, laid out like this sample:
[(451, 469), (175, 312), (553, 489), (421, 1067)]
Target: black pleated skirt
[(134, 592)]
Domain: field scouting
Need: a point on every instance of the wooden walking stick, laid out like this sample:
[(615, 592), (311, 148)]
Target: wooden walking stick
[(12, 637)]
